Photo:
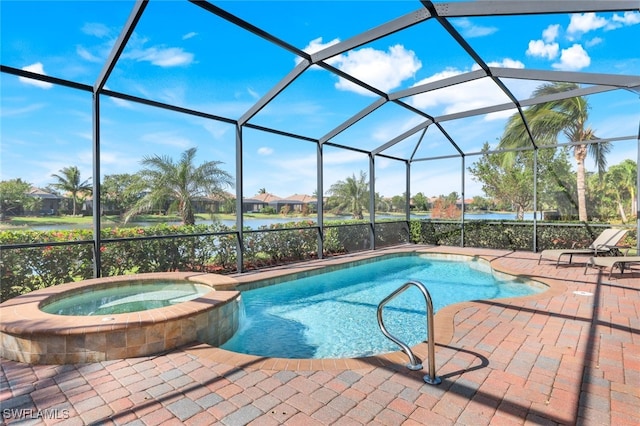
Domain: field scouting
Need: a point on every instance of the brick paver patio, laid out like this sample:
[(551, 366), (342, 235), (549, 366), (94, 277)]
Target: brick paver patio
[(570, 356)]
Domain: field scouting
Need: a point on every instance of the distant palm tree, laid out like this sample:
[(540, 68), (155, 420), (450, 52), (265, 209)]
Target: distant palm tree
[(179, 183), (69, 182), (547, 120), (262, 191), (351, 194)]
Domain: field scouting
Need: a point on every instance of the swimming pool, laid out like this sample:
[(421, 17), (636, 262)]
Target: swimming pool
[(333, 314)]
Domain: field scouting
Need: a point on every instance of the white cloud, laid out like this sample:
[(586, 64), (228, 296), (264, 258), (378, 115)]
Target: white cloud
[(469, 30), (540, 49), (97, 30), (265, 151), (462, 97), (585, 22), (189, 35), (500, 115), (163, 56), (122, 103), (97, 53), (317, 45), (216, 129), (594, 41), (253, 93), (550, 33), (382, 70), (86, 55), (547, 47), (36, 68), (159, 55), (12, 112), (629, 18), (572, 59), (505, 63)]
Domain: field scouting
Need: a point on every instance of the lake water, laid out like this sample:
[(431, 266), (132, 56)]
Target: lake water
[(256, 223)]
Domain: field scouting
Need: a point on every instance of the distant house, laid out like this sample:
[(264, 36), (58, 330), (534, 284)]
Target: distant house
[(253, 205), (212, 203), (49, 203), (259, 202), (296, 203), (467, 202)]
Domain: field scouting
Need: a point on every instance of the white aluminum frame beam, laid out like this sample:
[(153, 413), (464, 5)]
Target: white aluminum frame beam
[(519, 7)]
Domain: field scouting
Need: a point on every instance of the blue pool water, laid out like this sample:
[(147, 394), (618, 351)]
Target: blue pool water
[(130, 297), (333, 314)]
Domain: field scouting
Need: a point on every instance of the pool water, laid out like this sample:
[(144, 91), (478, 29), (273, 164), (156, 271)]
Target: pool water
[(130, 297), (333, 314)]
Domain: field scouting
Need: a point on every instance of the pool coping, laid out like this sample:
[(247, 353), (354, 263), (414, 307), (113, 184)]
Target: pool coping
[(22, 315), (443, 321)]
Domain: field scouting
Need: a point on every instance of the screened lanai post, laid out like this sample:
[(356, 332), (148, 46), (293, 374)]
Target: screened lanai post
[(535, 200), (97, 240), (239, 210), (462, 203), (407, 198), (372, 202), (98, 87), (638, 194), (320, 199)]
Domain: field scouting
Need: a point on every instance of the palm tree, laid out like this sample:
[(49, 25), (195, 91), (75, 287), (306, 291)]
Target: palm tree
[(262, 191), (164, 180), (621, 179), (351, 194), (69, 182), (547, 120)]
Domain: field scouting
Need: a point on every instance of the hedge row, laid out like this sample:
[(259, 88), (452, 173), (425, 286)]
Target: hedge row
[(510, 235), (64, 256)]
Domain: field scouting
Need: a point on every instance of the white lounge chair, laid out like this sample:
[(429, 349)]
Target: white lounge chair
[(608, 239), (612, 262)]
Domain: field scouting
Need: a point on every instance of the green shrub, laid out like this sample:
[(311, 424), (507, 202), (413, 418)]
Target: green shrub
[(26, 269), (510, 235)]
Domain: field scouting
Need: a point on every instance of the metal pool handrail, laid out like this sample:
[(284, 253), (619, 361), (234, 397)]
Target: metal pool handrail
[(414, 362)]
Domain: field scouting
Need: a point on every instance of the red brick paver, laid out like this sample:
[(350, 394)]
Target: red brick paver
[(569, 356)]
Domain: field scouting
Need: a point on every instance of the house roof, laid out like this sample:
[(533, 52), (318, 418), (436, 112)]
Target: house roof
[(41, 193), (302, 198), (266, 197)]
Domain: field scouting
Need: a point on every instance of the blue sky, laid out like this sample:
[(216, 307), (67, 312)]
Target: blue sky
[(182, 55)]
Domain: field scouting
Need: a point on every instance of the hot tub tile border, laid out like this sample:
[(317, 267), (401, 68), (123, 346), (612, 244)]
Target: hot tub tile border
[(32, 336)]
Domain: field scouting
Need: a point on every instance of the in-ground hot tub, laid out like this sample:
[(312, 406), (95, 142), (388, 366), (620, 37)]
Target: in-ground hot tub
[(29, 334)]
